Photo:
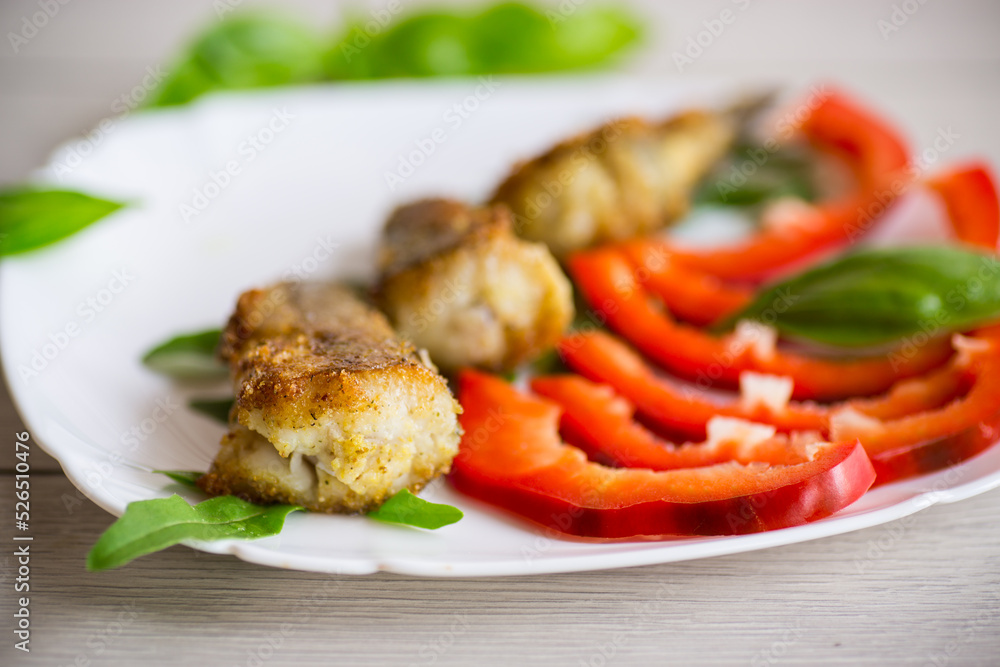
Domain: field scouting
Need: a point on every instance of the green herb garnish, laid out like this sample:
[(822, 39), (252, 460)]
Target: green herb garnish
[(188, 357), (248, 51), (883, 295), (216, 408), (152, 525), (188, 478), (32, 218), (408, 509), (255, 51), (753, 175)]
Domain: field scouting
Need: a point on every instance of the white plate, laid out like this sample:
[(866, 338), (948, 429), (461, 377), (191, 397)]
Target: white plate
[(84, 311)]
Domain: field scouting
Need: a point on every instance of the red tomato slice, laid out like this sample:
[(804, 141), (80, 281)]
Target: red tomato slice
[(511, 456), (609, 284)]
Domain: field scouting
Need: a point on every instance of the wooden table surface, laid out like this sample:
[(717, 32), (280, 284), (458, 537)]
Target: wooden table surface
[(923, 591)]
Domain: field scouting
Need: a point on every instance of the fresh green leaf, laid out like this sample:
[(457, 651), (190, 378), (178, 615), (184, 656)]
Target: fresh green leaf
[(505, 38), (549, 363), (152, 525), (216, 408), (592, 36), (188, 357), (188, 478), (406, 508), (34, 218), (877, 296), (752, 175), (247, 51)]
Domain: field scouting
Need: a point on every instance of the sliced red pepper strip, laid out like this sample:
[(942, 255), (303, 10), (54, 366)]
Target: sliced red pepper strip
[(866, 142), (935, 438), (693, 296), (511, 456), (608, 282), (599, 421), (601, 357), (969, 193), (872, 149)]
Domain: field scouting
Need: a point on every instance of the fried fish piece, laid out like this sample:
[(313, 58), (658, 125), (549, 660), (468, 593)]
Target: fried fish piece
[(620, 180), (333, 411), (457, 281)]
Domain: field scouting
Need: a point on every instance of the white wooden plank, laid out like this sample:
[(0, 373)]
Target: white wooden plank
[(929, 582)]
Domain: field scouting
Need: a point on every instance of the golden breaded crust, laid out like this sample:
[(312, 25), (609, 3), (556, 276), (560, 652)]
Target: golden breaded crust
[(475, 294), (319, 374), (622, 179), (248, 466)]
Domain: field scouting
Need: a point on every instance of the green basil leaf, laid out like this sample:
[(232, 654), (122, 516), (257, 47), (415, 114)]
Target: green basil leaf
[(408, 509), (751, 175), (505, 38), (153, 525), (188, 357), (246, 51), (33, 218), (188, 478), (591, 36), (216, 408), (876, 296)]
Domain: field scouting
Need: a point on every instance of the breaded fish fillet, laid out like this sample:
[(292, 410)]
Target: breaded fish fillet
[(458, 282), (333, 411), (623, 179)]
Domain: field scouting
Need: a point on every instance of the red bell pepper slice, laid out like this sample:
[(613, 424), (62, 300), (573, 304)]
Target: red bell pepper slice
[(969, 193), (691, 295), (869, 145), (511, 456), (686, 411), (923, 424), (876, 154), (600, 422), (937, 438), (609, 284)]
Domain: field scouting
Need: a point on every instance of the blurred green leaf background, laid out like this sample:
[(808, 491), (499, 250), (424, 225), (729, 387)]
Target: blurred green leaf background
[(254, 50)]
